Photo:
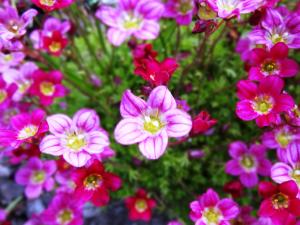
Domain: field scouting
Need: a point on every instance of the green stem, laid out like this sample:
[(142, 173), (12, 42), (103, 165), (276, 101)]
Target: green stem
[(13, 204), (101, 38)]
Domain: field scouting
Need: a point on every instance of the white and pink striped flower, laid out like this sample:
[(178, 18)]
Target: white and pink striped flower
[(151, 123), (76, 139)]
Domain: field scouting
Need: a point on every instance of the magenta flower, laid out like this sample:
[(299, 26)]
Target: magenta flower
[(276, 27), (283, 138), (47, 86), (64, 209), (151, 123), (13, 26), (10, 60), (274, 62), (75, 139), (230, 8), (21, 77), (247, 163), (181, 10), (209, 209), (135, 17), (24, 127), (263, 102), (6, 93), (36, 175), (244, 47)]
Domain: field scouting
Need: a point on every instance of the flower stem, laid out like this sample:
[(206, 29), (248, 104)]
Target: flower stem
[(13, 204)]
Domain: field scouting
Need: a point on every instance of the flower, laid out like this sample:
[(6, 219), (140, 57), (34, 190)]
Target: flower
[(274, 62), (93, 184), (279, 202), (235, 188), (50, 5), (64, 209), (293, 116), (13, 26), (202, 123), (75, 139), (138, 18), (140, 206), (247, 163), (21, 77), (210, 209), (244, 217), (283, 138), (36, 176), (276, 27), (24, 128), (151, 123), (230, 8), (9, 60), (47, 86), (6, 93), (181, 10), (263, 102), (55, 44), (157, 73), (142, 52)]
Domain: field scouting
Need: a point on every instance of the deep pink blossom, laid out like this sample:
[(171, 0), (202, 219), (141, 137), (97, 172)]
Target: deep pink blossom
[(263, 102), (50, 5), (210, 209), (181, 10), (64, 209), (274, 62), (24, 128), (151, 123), (140, 206), (36, 175), (47, 86), (280, 202), (137, 17), (75, 139), (247, 163), (12, 25), (94, 183), (202, 123)]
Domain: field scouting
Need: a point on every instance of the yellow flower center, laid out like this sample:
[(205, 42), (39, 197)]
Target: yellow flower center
[(280, 201), (185, 6), (211, 215), (276, 38), (93, 181), (296, 175), (141, 205), (76, 141), (283, 139), (269, 67), (247, 161), (205, 12), (23, 87), (152, 124), (3, 96), (47, 88), (263, 104), (47, 2), (8, 57), (55, 46), (65, 216), (131, 22), (27, 132), (38, 176)]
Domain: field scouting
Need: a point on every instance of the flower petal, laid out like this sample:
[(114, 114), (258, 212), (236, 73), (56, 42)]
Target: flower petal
[(86, 120), (97, 142), (131, 105), (249, 179), (280, 172), (179, 123), (51, 145), (162, 99), (59, 124), (244, 110), (77, 159)]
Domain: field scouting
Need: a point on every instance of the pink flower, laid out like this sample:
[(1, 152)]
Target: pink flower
[(247, 163), (245, 218), (293, 116), (276, 27), (93, 184), (181, 10), (202, 123), (24, 128), (283, 138), (9, 60), (280, 202), (263, 102), (136, 17), (6, 93), (47, 86), (12, 25), (151, 123), (234, 188), (36, 175), (75, 139), (64, 209), (230, 8), (140, 206), (55, 44), (274, 62), (210, 209), (50, 5)]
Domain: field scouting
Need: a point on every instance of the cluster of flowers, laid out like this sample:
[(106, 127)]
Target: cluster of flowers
[(78, 146)]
